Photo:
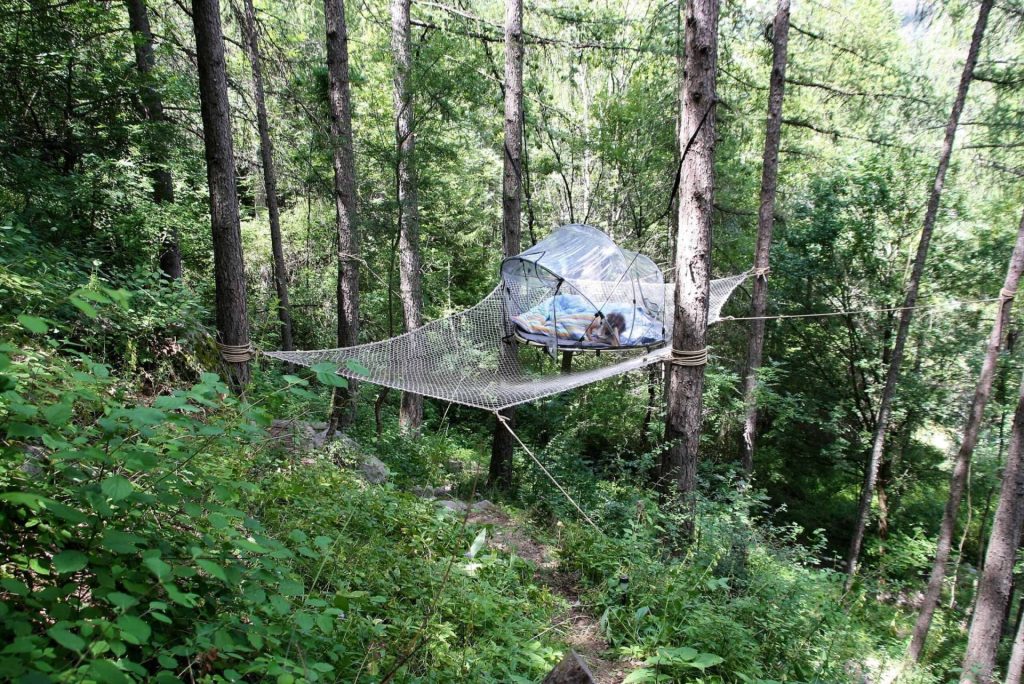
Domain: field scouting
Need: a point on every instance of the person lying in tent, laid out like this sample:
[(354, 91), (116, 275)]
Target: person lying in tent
[(606, 329), (572, 320)]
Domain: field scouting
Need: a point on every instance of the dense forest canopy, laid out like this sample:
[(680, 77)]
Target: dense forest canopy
[(184, 183)]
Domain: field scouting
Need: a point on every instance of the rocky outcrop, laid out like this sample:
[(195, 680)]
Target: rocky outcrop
[(345, 452)]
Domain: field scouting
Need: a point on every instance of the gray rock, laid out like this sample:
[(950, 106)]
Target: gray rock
[(294, 433), (461, 506), (35, 456), (455, 467), (431, 492), (373, 470)]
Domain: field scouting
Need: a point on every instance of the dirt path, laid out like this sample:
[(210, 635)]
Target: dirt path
[(576, 625)]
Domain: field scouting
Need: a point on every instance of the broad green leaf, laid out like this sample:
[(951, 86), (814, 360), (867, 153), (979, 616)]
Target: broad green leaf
[(706, 660), (58, 414), (72, 515), (69, 561), (121, 542), (180, 597), (63, 636), (212, 569), (121, 600), (107, 672), (358, 368), (33, 501), (33, 324), (640, 675), (22, 430), (157, 567), (170, 402), (92, 295), (117, 487), (145, 415), (84, 306), (134, 630), (304, 620)]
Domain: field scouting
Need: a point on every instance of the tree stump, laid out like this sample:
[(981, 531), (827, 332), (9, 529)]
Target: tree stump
[(572, 670)]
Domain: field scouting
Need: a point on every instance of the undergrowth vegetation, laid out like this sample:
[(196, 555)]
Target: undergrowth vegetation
[(155, 527)]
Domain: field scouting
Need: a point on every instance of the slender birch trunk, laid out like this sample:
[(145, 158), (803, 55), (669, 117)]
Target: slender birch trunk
[(340, 98), (228, 262), (693, 261), (765, 224), (910, 299), (409, 276), (995, 584), (247, 19), (153, 112), (500, 471), (962, 464)]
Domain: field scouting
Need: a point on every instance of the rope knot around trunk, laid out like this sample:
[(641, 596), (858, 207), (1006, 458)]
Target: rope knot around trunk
[(761, 272), (698, 357), (236, 353), (1007, 294)]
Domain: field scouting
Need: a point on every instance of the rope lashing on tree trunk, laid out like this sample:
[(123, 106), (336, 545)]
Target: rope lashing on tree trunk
[(236, 353), (698, 357), (760, 272), (1007, 294), (504, 421)]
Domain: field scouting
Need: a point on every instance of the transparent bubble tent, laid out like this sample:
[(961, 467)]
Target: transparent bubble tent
[(578, 291), (575, 291)]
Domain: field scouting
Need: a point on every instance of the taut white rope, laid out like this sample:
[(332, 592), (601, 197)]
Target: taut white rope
[(504, 421)]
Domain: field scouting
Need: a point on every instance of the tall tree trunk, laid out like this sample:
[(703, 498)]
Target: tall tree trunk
[(500, 471), (765, 223), (961, 466), (411, 411), (340, 98), (153, 112), (910, 299), (994, 586), (228, 264), (693, 261), (247, 19)]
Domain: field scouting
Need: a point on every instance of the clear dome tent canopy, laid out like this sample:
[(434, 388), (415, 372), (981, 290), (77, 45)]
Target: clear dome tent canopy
[(578, 290), (575, 290)]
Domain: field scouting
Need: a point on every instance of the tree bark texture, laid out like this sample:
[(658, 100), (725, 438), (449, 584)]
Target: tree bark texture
[(409, 276), (340, 99), (693, 261), (765, 224), (910, 299), (228, 263), (500, 471), (252, 49), (1015, 668), (995, 584), (153, 112), (962, 464)]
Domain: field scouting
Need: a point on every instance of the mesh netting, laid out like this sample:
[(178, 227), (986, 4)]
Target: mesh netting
[(469, 358)]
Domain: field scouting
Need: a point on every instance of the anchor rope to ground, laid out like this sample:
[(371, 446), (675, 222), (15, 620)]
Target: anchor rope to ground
[(504, 421)]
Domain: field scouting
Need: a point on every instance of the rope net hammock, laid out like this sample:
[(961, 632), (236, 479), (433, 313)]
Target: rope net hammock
[(574, 292)]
